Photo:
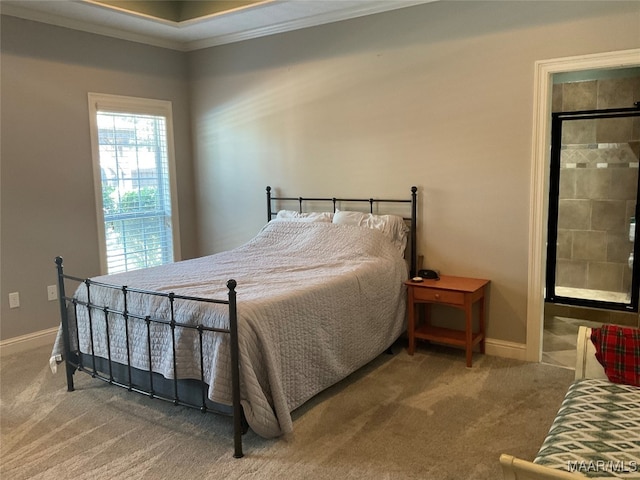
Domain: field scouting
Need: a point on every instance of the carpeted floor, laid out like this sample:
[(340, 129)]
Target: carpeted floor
[(400, 417)]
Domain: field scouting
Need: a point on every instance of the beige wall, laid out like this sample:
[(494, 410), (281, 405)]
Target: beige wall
[(47, 194), (439, 96)]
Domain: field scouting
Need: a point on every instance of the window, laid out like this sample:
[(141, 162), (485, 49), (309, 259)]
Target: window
[(134, 181)]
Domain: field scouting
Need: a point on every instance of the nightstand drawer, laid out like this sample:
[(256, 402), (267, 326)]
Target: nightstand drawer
[(438, 296)]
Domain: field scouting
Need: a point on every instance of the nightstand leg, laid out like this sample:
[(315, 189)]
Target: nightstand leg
[(481, 323), (411, 327), (468, 309)]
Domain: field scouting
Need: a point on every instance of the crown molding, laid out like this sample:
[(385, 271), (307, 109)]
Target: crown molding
[(83, 26), (233, 26), (366, 8)]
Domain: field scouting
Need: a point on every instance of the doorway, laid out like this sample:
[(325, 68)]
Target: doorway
[(545, 71), (593, 197)]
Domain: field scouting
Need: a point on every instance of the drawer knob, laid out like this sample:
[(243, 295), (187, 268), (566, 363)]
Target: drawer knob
[(438, 296)]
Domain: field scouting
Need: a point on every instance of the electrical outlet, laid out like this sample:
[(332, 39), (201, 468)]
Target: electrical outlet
[(52, 292), (14, 300)]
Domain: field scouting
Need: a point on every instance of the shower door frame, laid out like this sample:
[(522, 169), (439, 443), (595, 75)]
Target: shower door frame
[(554, 200)]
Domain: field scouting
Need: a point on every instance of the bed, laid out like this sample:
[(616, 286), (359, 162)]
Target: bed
[(256, 331)]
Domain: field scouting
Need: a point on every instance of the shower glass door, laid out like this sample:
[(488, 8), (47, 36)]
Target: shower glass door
[(593, 204)]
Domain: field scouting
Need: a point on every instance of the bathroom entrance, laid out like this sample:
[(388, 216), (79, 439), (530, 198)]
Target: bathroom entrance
[(593, 206)]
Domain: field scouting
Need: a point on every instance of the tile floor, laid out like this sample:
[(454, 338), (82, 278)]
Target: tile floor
[(559, 340)]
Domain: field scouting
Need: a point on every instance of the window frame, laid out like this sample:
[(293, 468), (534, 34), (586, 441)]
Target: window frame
[(99, 102)]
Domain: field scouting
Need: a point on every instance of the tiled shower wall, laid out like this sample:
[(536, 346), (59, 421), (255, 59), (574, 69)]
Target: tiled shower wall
[(599, 176)]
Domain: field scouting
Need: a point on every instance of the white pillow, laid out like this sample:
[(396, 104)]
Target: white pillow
[(393, 226), (293, 216)]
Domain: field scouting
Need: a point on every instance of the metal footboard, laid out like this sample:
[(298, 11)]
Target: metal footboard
[(90, 363)]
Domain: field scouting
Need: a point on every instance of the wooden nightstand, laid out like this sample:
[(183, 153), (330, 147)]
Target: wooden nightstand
[(458, 292)]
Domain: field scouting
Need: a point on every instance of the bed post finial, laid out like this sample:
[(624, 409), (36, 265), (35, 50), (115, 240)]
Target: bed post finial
[(269, 215), (414, 232)]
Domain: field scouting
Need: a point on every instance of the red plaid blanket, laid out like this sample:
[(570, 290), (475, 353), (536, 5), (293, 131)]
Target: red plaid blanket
[(618, 351)]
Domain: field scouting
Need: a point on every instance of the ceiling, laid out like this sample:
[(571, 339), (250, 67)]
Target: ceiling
[(194, 24)]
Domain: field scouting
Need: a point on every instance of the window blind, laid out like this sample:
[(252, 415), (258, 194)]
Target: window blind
[(136, 195)]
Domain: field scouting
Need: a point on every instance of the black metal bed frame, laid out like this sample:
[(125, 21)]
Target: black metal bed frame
[(103, 369)]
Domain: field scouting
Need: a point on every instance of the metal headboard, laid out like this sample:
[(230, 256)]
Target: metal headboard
[(371, 201)]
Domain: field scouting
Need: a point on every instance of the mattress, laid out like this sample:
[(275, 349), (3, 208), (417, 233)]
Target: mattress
[(596, 432), (316, 301)]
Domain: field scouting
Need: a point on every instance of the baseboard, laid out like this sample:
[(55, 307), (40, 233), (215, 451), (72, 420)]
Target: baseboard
[(501, 348), (29, 341)]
